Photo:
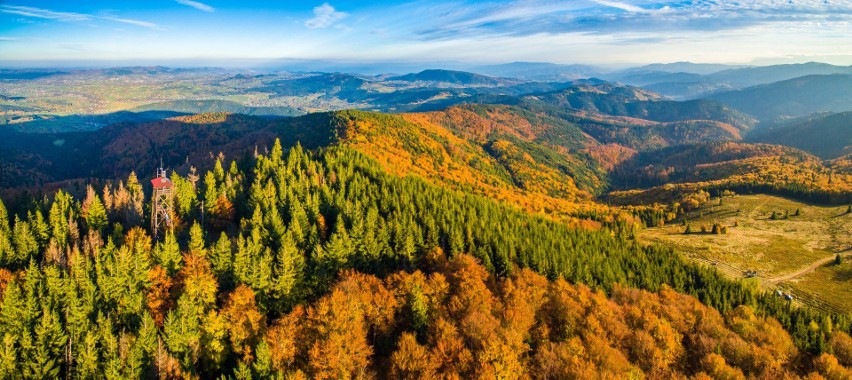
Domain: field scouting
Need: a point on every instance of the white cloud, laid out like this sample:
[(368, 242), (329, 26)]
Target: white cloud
[(324, 16), (622, 6), (144, 24), (44, 13), (48, 14), (197, 5)]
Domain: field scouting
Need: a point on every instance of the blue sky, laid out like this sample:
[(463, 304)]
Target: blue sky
[(605, 32)]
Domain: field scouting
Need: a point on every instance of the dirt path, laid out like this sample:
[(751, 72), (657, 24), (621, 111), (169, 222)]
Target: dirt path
[(807, 269)]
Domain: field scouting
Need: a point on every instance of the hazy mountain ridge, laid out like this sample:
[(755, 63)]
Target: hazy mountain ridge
[(792, 98), (686, 84), (539, 71), (827, 136), (452, 77)]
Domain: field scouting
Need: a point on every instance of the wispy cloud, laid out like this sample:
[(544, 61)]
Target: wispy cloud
[(144, 24), (197, 5), (48, 14), (44, 13), (623, 6), (324, 16), (74, 47), (530, 17)]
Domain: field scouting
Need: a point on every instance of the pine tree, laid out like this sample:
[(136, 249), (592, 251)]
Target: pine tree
[(289, 273), (44, 357), (25, 243), (168, 253), (196, 240), (94, 211), (181, 333), (7, 252)]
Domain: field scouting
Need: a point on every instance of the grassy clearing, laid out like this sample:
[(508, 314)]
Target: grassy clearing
[(830, 284), (773, 247)]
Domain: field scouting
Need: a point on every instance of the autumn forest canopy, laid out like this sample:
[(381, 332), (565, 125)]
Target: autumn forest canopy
[(440, 224)]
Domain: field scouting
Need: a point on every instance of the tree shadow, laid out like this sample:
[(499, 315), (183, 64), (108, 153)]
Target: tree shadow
[(36, 159)]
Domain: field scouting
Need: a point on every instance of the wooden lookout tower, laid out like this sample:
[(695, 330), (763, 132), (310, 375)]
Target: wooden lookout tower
[(161, 209)]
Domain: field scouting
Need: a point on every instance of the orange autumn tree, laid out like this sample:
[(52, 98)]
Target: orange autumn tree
[(460, 322)]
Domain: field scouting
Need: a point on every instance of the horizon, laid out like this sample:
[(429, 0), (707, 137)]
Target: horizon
[(599, 33)]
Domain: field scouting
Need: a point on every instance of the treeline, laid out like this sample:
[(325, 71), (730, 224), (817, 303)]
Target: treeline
[(793, 190), (87, 292)]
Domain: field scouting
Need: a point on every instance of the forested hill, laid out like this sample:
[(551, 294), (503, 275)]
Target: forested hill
[(743, 168), (251, 292), (792, 98), (615, 100), (827, 136), (114, 151), (453, 77)]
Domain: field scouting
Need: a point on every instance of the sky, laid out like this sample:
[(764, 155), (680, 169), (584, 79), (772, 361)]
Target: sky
[(597, 32)]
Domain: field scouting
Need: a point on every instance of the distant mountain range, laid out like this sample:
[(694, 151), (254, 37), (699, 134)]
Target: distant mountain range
[(692, 84), (539, 71), (452, 77), (685, 67), (633, 117)]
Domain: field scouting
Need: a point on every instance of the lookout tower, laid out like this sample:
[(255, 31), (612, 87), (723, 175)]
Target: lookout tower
[(161, 210)]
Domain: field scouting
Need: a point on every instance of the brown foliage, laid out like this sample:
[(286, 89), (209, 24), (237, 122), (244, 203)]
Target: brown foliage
[(245, 323), (158, 298), (525, 326)]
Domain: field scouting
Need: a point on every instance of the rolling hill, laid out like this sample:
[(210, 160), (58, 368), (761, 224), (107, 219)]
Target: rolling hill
[(686, 81), (665, 174), (36, 159), (460, 78), (508, 164), (825, 136), (792, 98), (329, 84), (751, 76), (684, 67), (539, 71), (214, 105)]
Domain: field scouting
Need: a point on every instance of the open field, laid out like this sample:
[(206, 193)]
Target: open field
[(829, 284), (793, 253)]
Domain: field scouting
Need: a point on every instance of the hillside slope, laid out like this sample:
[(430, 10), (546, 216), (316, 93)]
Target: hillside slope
[(792, 98), (826, 136), (741, 167), (509, 165), (461, 78)]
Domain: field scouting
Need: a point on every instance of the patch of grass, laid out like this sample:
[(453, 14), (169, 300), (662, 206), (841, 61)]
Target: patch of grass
[(774, 248), (830, 284)]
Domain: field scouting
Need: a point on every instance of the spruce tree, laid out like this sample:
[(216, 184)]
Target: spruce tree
[(168, 253)]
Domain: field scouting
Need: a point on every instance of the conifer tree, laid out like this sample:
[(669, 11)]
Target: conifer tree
[(168, 253), (197, 245), (93, 210)]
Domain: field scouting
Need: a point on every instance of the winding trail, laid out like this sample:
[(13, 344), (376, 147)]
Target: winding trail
[(810, 268)]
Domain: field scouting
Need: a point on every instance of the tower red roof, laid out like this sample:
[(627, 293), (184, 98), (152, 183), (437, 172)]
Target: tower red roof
[(162, 183)]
